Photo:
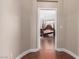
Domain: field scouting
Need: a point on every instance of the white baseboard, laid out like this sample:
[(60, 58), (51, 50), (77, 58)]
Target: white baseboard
[(58, 49), (27, 52), (69, 52)]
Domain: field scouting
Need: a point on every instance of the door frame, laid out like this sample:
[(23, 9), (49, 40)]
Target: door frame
[(38, 26)]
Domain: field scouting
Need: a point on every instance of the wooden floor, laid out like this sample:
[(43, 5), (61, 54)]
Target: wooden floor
[(36, 55), (47, 51)]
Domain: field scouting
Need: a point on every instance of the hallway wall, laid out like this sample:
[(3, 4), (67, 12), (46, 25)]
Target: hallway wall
[(10, 29), (61, 26), (14, 27), (78, 31), (70, 12), (18, 24), (33, 24), (61, 23), (26, 11), (68, 26)]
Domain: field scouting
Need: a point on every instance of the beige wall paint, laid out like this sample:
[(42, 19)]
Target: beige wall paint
[(14, 27), (10, 29), (18, 23), (61, 26), (33, 24), (71, 10), (26, 11), (68, 27), (78, 32)]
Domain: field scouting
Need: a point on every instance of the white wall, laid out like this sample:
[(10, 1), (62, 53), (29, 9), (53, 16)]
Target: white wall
[(18, 23), (67, 22), (70, 12), (26, 11), (78, 28), (14, 27), (61, 26), (33, 25), (78, 32), (68, 25), (10, 28)]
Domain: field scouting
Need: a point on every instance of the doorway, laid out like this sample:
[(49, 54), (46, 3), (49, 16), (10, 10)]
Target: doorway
[(47, 16)]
